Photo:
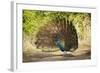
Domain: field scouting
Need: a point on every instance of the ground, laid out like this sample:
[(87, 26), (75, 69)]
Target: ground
[(36, 55)]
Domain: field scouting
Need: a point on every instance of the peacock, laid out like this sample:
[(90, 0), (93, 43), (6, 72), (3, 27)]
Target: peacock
[(56, 31)]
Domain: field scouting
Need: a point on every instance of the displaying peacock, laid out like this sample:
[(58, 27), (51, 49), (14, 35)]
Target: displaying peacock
[(58, 33)]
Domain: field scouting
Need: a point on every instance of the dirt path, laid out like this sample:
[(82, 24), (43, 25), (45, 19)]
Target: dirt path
[(44, 56), (34, 55)]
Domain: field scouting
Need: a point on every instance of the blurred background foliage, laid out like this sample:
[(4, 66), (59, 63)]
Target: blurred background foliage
[(34, 20)]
